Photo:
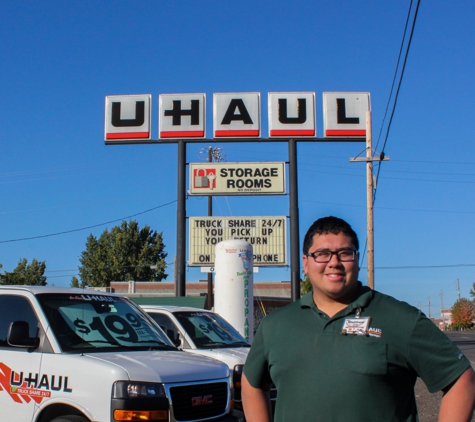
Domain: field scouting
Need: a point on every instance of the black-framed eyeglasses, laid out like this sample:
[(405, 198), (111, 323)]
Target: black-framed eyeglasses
[(343, 255)]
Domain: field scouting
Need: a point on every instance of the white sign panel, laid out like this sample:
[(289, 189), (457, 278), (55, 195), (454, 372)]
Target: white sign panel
[(267, 235), (181, 116), (128, 117), (237, 178), (292, 114), (236, 115), (344, 114)]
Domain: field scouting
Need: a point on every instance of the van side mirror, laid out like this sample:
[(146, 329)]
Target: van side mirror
[(19, 335), (175, 340)]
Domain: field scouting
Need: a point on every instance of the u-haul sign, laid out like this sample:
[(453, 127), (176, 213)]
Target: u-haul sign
[(267, 235), (237, 178), (128, 117), (344, 114), (235, 115)]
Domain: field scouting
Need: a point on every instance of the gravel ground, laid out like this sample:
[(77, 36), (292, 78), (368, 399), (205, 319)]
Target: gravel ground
[(427, 403)]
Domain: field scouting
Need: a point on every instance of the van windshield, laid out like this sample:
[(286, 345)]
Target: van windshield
[(210, 331), (97, 323)]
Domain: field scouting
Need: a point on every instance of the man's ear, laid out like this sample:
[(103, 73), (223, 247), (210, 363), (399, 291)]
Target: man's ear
[(305, 264)]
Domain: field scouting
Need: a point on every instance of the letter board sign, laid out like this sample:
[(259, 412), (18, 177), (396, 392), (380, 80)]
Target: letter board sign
[(128, 117), (181, 116), (237, 178), (236, 115), (344, 114), (267, 235), (292, 114)]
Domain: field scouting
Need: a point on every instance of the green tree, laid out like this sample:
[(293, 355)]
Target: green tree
[(75, 282), (124, 253), (472, 292), (305, 285), (463, 313), (32, 274)]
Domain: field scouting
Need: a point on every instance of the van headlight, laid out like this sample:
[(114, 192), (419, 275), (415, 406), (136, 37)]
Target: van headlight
[(130, 389), (237, 375)]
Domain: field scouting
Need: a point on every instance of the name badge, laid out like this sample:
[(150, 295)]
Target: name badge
[(357, 326)]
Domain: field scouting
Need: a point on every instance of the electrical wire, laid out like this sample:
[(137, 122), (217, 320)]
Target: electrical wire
[(401, 76), (86, 228)]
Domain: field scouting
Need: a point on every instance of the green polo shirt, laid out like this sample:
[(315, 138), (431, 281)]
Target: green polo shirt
[(324, 375)]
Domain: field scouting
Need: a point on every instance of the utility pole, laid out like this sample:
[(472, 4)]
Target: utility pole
[(442, 308), (458, 288), (428, 304), (370, 188)]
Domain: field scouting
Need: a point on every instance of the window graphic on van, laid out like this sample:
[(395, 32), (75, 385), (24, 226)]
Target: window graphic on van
[(80, 324)]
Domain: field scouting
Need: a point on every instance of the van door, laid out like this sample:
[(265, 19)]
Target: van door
[(19, 367)]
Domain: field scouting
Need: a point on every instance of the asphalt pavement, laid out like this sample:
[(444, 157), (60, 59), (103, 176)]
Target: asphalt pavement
[(428, 404)]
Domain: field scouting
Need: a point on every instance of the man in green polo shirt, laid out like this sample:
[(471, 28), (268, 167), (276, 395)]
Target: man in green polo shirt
[(344, 352)]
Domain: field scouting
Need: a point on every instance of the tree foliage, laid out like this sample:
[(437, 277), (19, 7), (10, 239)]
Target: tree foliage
[(463, 313), (472, 292), (24, 274), (305, 285), (124, 253)]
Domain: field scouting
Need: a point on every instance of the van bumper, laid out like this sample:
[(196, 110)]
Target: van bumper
[(234, 416)]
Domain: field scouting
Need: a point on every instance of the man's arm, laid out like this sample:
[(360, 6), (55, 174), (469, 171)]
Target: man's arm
[(459, 399), (256, 402)]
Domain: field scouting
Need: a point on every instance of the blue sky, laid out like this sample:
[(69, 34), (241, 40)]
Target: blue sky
[(60, 59)]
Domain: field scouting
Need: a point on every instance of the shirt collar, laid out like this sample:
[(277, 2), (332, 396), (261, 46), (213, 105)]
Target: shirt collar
[(362, 300)]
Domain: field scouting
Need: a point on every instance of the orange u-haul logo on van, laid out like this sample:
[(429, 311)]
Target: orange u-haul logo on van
[(24, 387)]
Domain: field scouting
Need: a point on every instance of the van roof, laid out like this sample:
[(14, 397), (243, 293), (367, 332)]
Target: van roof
[(53, 289)]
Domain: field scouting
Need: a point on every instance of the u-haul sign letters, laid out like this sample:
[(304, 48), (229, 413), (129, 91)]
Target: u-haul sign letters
[(128, 117), (267, 235), (344, 114), (237, 178), (235, 115)]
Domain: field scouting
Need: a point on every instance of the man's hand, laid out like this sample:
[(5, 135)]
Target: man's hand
[(459, 399), (256, 402)]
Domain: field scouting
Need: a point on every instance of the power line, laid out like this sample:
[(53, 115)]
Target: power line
[(405, 267), (400, 79), (86, 228), (401, 75)]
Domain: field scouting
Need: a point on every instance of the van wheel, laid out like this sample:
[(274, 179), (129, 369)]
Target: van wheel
[(70, 418)]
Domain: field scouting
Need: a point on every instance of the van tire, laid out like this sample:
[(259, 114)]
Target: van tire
[(70, 418)]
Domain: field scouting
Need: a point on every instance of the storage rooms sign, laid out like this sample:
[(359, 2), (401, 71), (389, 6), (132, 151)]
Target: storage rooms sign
[(267, 235), (237, 178)]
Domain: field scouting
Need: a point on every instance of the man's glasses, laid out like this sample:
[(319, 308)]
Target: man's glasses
[(322, 257)]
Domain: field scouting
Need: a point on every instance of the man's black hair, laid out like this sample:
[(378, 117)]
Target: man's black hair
[(327, 225)]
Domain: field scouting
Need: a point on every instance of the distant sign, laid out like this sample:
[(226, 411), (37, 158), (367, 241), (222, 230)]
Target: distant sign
[(344, 114), (267, 235), (237, 178)]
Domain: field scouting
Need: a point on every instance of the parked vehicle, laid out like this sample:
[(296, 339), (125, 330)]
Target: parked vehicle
[(204, 333), (76, 355)]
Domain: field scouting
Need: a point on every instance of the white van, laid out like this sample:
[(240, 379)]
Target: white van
[(205, 333), (75, 355)]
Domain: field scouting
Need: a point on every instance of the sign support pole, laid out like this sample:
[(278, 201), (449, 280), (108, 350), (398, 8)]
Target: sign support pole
[(180, 282), (210, 213), (294, 222)]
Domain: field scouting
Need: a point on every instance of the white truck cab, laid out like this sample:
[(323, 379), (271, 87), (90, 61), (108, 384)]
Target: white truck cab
[(205, 333), (76, 355)]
